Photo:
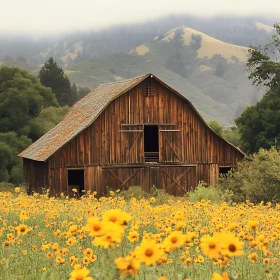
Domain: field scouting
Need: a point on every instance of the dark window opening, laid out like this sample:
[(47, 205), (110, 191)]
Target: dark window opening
[(223, 171), (149, 91), (151, 145), (76, 181)]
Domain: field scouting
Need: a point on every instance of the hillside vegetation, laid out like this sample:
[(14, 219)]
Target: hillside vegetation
[(203, 58), (209, 72)]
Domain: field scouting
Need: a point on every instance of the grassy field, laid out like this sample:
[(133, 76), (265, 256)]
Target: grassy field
[(120, 237)]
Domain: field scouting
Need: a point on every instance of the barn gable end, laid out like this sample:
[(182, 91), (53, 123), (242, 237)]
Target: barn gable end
[(135, 132)]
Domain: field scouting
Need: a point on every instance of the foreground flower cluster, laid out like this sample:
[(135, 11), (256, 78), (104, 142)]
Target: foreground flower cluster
[(111, 238)]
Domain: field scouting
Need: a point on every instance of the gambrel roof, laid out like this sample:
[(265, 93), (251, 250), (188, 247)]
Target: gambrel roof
[(84, 113)]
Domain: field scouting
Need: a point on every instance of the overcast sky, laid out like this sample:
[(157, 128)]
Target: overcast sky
[(45, 16)]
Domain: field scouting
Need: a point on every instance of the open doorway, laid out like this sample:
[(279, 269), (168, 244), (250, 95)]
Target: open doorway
[(76, 180), (223, 171), (151, 145)]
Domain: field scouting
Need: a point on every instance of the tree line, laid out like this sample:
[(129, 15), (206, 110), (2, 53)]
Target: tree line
[(29, 107)]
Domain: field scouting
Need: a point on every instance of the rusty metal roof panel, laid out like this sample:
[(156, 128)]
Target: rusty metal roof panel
[(80, 116)]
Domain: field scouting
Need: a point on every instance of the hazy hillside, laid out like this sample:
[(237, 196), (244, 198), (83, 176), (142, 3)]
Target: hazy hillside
[(203, 58), (78, 46), (209, 72)]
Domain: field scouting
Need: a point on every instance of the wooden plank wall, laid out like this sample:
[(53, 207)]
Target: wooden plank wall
[(35, 175), (102, 143)]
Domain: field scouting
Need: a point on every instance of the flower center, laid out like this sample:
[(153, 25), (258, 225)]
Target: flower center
[(113, 219), (212, 245), (232, 248), (96, 227), (149, 252), (174, 239)]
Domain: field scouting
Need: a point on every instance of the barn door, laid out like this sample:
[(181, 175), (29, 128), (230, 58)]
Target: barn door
[(169, 142), (178, 180), (132, 143), (122, 178)]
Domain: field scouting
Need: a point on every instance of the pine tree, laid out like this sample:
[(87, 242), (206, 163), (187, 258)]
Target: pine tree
[(53, 76)]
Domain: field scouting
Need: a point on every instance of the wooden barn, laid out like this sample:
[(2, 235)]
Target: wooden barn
[(137, 132)]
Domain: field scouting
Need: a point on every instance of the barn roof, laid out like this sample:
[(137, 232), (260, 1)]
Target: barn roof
[(82, 114)]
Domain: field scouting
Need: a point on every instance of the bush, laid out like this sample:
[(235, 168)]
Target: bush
[(257, 179), (136, 192), (6, 187), (215, 195)]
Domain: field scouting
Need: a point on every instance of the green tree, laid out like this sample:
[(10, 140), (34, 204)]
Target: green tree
[(216, 126), (22, 98), (259, 125), (82, 91), (53, 76), (232, 135), (47, 119), (263, 64), (10, 165)]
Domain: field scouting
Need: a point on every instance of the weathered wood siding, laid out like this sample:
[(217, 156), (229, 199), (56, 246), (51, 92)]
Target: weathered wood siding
[(35, 175), (102, 145)]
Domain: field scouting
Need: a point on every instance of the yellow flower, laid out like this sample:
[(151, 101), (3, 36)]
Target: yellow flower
[(88, 252), (180, 225), (80, 274), (174, 240), (22, 229), (133, 236), (199, 259), (231, 246), (152, 199), (253, 257), (127, 265), (217, 276), (95, 227), (60, 260), (210, 246), (266, 260), (73, 229), (86, 260), (116, 216), (252, 224), (149, 252), (71, 241), (17, 189), (23, 216), (113, 233)]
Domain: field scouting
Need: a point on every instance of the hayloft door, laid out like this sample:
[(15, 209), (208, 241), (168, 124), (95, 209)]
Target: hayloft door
[(132, 143), (170, 143)]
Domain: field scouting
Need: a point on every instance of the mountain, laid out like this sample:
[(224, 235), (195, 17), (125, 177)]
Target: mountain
[(75, 47), (203, 58), (209, 72)]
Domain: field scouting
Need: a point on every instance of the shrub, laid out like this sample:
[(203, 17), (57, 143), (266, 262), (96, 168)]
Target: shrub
[(257, 179), (135, 192), (215, 195), (6, 187)]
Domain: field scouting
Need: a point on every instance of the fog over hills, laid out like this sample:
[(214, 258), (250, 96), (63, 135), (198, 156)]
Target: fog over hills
[(203, 58)]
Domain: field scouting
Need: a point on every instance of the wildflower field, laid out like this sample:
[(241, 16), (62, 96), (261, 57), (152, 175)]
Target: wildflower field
[(116, 238)]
